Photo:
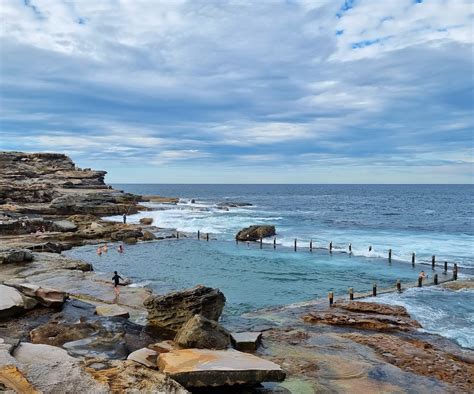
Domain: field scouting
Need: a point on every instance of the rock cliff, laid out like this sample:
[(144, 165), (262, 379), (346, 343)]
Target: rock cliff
[(51, 184)]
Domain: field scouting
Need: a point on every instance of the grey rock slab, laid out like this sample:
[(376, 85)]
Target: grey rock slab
[(51, 369), (64, 226)]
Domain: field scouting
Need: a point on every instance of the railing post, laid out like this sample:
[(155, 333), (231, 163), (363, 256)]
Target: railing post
[(274, 243), (399, 285), (374, 290), (177, 234), (445, 267), (350, 248), (455, 272), (295, 244), (435, 279), (199, 234), (207, 236), (331, 298), (261, 242), (413, 258), (390, 255), (311, 245), (351, 293), (330, 247), (420, 281), (433, 262)]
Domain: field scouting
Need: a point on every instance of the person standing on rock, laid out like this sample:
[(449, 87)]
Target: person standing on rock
[(116, 278), (124, 218)]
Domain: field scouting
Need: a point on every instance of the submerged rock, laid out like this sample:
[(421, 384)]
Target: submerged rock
[(202, 333), (213, 368), (254, 233), (169, 312), (146, 221)]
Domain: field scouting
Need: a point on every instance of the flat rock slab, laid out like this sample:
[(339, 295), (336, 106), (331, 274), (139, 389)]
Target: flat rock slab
[(112, 310), (213, 368), (246, 341)]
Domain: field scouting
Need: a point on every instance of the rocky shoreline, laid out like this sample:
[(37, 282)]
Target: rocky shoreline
[(62, 329)]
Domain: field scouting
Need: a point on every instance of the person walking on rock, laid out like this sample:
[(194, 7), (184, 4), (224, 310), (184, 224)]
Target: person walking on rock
[(116, 278), (124, 218)]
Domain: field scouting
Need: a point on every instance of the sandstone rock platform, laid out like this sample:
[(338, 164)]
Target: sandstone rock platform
[(212, 368)]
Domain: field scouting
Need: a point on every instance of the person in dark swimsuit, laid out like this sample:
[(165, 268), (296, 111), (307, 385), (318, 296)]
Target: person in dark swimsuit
[(116, 278)]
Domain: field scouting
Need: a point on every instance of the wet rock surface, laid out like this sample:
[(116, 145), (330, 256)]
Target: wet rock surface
[(365, 315), (170, 312), (421, 358), (254, 233)]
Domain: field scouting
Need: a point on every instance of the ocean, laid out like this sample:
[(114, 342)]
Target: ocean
[(425, 219)]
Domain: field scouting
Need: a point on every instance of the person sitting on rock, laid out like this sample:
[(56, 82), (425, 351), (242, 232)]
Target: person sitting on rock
[(116, 278)]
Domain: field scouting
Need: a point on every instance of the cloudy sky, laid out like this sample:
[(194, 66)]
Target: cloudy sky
[(267, 91)]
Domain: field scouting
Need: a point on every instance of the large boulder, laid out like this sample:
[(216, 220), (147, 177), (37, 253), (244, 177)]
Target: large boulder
[(148, 236), (146, 221), (44, 295), (254, 233), (202, 333), (213, 368), (64, 226), (11, 301), (12, 256), (51, 370), (169, 312)]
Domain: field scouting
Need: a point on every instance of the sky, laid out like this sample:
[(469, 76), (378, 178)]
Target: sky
[(268, 91)]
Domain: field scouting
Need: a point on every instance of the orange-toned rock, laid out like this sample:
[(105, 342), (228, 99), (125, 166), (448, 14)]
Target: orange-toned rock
[(13, 379), (367, 316)]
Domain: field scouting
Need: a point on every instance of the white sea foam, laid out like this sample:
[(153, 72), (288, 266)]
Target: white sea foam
[(209, 217), (440, 311)]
